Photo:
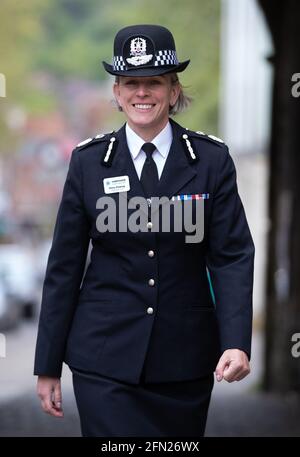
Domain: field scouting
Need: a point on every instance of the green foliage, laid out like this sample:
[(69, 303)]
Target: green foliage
[(20, 28), (19, 31), (70, 38), (195, 25), (79, 35)]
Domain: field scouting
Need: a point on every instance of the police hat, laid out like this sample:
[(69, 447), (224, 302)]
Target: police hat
[(144, 50)]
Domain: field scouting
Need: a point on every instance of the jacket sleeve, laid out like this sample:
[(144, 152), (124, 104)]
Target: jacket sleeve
[(64, 273), (230, 260)]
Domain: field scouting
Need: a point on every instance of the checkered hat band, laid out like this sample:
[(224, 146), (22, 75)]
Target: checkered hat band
[(163, 57), (166, 57), (118, 63)]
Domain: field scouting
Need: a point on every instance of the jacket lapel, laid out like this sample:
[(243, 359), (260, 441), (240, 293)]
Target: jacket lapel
[(177, 172), (123, 165)]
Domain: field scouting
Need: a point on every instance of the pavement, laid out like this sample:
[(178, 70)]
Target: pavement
[(237, 409)]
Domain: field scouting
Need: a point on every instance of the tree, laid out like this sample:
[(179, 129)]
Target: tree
[(79, 35), (19, 33)]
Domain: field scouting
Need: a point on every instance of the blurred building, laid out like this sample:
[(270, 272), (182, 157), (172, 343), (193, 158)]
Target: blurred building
[(245, 117), (246, 77)]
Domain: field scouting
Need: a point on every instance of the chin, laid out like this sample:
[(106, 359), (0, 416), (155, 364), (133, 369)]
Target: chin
[(142, 121)]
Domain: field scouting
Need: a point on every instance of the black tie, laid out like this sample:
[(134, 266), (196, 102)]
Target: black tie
[(149, 176)]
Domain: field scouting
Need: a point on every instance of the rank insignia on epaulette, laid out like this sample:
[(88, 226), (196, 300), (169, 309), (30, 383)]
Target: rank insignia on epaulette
[(82, 143), (110, 152), (189, 149), (95, 139), (213, 137)]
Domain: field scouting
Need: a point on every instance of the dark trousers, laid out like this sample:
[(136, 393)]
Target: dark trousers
[(110, 408)]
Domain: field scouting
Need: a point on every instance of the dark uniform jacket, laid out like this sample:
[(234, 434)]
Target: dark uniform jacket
[(113, 321)]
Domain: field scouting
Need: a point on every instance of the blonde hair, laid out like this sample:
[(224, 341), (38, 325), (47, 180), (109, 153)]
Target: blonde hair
[(182, 103)]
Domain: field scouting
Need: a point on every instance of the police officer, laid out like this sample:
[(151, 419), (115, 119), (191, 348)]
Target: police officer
[(142, 331)]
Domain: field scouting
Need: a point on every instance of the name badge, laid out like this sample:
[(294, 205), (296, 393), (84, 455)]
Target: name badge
[(116, 184)]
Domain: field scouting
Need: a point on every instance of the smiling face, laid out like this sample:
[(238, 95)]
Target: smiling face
[(145, 102)]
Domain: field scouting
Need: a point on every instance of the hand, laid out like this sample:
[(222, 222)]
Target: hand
[(49, 391), (233, 365)]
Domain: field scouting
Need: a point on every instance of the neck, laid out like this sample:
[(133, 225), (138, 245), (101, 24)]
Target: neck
[(147, 134)]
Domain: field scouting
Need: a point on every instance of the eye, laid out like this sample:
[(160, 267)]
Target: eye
[(130, 82), (155, 82)]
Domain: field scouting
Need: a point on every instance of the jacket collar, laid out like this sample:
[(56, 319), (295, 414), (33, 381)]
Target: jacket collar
[(176, 174), (162, 141)]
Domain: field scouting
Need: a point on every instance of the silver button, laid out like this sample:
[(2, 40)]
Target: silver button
[(149, 225), (151, 253), (150, 310), (151, 282)]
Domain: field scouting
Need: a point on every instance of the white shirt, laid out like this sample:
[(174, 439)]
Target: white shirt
[(162, 143)]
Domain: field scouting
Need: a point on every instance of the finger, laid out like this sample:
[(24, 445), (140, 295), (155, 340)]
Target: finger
[(57, 397), (230, 372), (242, 374), (48, 408), (222, 364), (45, 401), (237, 373), (53, 411)]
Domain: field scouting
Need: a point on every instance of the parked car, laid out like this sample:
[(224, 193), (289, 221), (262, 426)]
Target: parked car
[(10, 311), (19, 278)]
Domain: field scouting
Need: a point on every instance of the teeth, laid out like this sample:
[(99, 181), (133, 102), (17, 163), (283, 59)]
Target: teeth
[(143, 106)]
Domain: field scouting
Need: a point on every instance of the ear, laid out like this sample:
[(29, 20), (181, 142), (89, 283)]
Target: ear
[(116, 89), (175, 91)]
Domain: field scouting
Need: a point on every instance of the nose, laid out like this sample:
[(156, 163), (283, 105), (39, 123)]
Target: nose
[(142, 90)]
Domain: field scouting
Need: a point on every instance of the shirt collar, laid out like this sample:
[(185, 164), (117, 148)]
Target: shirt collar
[(162, 141)]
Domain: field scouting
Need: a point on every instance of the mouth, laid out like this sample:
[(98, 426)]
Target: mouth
[(143, 106)]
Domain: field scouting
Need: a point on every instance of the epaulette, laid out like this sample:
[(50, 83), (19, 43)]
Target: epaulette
[(198, 134), (110, 151), (96, 139)]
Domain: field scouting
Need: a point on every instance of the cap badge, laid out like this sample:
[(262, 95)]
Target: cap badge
[(138, 51)]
